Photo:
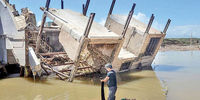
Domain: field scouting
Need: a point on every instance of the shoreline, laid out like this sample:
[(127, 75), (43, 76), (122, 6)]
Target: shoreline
[(179, 48)]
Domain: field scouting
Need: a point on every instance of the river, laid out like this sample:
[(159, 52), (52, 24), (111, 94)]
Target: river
[(142, 85), (180, 71), (177, 72)]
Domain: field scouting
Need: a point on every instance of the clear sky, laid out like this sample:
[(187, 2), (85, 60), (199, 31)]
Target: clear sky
[(184, 14)]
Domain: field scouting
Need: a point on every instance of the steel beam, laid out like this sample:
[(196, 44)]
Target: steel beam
[(62, 4), (167, 26), (111, 7), (47, 4), (110, 12), (130, 15), (85, 7), (150, 23), (89, 24)]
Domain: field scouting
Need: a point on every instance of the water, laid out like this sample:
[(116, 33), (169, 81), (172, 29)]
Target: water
[(181, 72), (142, 85)]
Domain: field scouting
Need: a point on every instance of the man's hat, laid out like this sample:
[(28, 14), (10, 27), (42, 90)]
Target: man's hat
[(108, 65)]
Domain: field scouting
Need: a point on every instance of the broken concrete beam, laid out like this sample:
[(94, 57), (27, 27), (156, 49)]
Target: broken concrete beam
[(34, 62), (42, 26)]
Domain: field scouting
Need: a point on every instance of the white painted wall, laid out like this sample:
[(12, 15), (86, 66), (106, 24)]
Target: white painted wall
[(7, 27), (7, 20)]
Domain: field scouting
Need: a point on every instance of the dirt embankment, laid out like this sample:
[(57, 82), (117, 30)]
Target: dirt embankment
[(180, 44)]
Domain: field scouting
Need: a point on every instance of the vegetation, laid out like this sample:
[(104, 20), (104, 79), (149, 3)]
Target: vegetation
[(181, 41)]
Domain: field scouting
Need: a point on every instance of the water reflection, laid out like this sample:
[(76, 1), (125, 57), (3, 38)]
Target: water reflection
[(181, 71), (167, 68)]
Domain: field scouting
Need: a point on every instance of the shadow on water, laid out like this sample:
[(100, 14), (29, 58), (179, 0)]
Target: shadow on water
[(122, 78), (13, 70), (167, 68)]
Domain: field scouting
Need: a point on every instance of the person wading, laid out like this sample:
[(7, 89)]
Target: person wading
[(111, 81)]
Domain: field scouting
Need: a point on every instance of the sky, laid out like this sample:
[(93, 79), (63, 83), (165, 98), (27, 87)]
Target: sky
[(184, 14)]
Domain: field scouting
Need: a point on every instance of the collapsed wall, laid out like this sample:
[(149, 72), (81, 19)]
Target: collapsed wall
[(7, 29), (102, 45), (12, 25), (142, 45)]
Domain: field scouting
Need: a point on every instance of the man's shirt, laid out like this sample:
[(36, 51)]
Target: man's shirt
[(112, 82)]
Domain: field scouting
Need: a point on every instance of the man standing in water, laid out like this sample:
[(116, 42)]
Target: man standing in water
[(111, 81)]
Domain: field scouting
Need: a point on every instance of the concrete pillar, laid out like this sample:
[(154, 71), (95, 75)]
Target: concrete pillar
[(3, 50)]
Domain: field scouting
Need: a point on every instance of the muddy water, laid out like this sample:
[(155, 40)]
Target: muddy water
[(143, 85), (181, 73)]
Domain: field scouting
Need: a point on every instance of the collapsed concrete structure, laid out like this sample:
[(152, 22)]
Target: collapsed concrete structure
[(86, 43), (141, 43), (73, 44), (12, 48)]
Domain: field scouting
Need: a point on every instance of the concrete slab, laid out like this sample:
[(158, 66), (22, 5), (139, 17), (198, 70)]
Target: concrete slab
[(125, 54), (140, 26), (75, 24)]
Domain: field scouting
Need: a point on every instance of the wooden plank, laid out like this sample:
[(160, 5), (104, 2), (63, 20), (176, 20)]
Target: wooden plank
[(44, 69), (26, 72), (42, 26), (68, 70), (55, 71), (52, 53)]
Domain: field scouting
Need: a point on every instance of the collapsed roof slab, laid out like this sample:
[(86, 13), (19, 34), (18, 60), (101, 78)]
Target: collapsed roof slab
[(139, 41), (76, 23), (135, 36), (140, 26), (73, 26)]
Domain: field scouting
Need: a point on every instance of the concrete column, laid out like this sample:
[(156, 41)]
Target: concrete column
[(3, 50)]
